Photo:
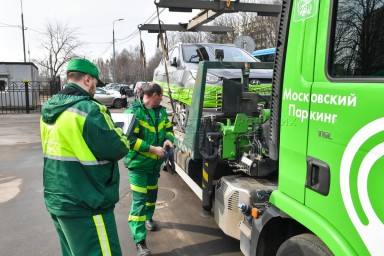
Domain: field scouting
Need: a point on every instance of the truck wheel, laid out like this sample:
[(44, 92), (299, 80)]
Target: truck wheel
[(182, 112), (117, 103), (303, 245)]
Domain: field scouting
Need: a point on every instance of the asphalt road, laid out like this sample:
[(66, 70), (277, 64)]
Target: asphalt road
[(26, 228)]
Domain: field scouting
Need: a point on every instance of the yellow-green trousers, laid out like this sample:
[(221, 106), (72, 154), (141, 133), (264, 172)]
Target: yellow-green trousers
[(94, 235), (144, 194)]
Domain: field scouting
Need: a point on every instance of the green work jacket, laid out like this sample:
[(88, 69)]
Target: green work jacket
[(81, 147), (147, 132)]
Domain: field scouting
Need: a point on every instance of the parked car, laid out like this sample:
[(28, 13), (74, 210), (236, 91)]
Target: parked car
[(108, 98), (117, 87), (110, 85), (185, 58)]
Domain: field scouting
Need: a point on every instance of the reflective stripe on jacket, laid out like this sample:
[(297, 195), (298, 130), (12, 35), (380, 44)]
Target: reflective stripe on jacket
[(81, 147), (147, 132)]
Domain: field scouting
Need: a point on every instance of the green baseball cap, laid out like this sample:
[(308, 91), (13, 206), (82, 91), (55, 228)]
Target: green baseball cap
[(86, 67)]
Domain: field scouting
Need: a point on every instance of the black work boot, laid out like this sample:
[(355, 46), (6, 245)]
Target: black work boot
[(142, 249), (150, 225)]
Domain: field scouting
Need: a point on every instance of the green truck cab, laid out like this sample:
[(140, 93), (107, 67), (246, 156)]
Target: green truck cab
[(301, 173), (331, 126)]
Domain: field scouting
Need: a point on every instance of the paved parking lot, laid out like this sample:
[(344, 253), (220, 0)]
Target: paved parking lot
[(26, 228)]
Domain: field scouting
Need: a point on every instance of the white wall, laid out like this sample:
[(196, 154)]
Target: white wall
[(19, 72)]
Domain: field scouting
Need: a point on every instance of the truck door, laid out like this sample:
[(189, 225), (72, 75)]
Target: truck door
[(346, 123), (297, 84)]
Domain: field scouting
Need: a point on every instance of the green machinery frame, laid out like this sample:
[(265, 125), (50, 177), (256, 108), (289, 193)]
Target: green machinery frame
[(189, 143)]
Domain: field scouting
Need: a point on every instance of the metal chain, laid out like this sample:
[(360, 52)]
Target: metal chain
[(164, 47), (143, 58)]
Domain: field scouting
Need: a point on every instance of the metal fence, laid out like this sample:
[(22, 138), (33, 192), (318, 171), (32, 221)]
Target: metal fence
[(26, 96)]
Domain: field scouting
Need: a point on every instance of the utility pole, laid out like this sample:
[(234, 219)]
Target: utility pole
[(113, 43), (22, 28)]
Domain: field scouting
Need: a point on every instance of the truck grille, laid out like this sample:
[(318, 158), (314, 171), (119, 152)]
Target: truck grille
[(233, 201), (220, 192)]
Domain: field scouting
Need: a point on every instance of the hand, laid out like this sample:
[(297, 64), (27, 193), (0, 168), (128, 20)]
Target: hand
[(169, 143), (159, 151)]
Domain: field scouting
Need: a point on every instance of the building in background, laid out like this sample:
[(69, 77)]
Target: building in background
[(16, 72)]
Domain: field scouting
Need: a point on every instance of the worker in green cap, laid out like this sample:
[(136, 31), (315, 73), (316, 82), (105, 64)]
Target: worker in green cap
[(151, 137), (81, 147)]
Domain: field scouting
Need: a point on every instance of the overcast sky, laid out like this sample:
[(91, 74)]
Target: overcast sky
[(94, 20)]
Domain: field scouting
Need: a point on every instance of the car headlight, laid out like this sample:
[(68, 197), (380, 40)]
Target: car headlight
[(210, 79)]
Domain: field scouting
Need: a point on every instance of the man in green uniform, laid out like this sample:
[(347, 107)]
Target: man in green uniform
[(81, 147), (152, 134)]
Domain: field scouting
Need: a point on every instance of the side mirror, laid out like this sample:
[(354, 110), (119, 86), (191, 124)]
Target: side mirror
[(174, 62), (219, 54)]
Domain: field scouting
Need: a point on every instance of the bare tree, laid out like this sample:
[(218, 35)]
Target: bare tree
[(137, 70), (228, 20), (152, 64), (192, 37), (262, 29), (104, 69), (172, 39), (60, 43), (123, 63)]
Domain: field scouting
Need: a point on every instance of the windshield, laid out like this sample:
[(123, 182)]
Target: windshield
[(197, 52)]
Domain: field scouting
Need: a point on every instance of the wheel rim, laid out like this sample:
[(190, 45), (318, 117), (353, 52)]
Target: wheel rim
[(182, 114), (117, 103)]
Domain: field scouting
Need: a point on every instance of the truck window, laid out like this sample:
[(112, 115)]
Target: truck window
[(357, 39)]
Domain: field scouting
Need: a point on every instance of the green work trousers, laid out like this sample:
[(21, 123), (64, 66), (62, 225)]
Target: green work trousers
[(93, 235), (144, 194)]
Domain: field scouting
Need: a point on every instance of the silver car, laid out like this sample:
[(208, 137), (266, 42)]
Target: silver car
[(108, 98), (185, 58)]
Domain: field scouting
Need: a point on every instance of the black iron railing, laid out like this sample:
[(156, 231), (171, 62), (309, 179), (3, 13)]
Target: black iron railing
[(26, 96)]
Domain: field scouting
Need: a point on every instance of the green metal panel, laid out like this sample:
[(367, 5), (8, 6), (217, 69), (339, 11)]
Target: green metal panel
[(346, 140), (295, 104), (231, 141), (190, 140), (333, 238), (293, 196), (340, 123)]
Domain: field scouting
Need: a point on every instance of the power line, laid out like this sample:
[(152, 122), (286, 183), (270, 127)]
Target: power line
[(34, 30), (96, 42), (18, 26), (9, 25), (136, 32), (129, 37), (109, 46)]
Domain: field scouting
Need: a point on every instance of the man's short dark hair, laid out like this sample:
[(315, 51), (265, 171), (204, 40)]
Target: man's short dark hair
[(75, 75), (153, 88)]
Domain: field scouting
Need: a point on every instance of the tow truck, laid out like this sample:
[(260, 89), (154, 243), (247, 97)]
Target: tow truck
[(299, 172)]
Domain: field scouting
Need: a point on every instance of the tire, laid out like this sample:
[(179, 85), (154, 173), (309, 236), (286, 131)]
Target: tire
[(304, 245), (182, 112), (117, 103)]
